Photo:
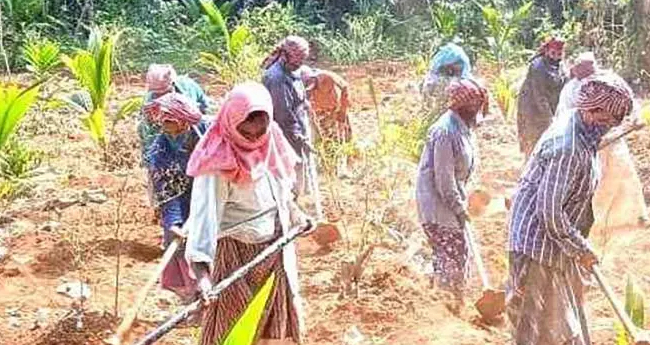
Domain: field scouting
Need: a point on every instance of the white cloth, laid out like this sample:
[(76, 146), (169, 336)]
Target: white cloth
[(217, 204), (618, 200)]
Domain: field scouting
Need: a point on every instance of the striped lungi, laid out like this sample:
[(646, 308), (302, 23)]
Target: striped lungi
[(280, 319), (545, 304)]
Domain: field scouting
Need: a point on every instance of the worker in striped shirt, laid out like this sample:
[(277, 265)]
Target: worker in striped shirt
[(551, 217)]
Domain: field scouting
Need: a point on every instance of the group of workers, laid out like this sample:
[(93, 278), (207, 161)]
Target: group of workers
[(228, 185), (566, 184)]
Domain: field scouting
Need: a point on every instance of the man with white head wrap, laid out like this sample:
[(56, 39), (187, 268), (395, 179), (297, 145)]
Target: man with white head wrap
[(620, 184)]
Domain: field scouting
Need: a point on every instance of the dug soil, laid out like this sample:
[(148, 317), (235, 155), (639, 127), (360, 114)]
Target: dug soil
[(52, 240)]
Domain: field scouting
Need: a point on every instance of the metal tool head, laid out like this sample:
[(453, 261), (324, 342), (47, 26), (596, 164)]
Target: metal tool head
[(491, 304)]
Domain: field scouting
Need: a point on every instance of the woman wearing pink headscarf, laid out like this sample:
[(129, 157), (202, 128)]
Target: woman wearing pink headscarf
[(243, 171)]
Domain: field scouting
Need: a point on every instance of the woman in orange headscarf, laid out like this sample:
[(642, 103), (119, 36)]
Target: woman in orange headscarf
[(243, 173)]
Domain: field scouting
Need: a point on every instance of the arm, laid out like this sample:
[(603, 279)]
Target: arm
[(444, 175), (202, 224), (556, 186)]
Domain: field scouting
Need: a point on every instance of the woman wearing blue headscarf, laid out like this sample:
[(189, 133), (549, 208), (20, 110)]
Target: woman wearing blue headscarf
[(450, 62)]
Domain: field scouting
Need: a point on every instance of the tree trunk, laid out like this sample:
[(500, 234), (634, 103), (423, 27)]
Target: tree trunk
[(642, 25)]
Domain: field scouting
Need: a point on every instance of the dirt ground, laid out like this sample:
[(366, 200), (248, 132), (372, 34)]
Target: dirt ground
[(51, 242)]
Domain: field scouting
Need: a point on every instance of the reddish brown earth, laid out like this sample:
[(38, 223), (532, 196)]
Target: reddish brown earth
[(395, 304)]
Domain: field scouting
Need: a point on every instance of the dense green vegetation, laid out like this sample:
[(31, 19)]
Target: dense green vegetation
[(344, 31)]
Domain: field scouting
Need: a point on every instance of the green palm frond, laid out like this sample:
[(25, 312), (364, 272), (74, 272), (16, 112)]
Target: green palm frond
[(92, 68), (14, 104), (41, 56)]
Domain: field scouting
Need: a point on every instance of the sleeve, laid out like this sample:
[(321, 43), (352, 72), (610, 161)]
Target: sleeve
[(202, 224), (425, 185), (284, 114), (556, 186), (445, 179)]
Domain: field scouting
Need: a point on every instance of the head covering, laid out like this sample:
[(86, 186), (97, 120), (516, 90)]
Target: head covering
[(307, 73), (225, 152), (452, 54), (173, 107), (293, 48), (466, 92), (606, 91), (160, 78), (552, 43), (585, 65)]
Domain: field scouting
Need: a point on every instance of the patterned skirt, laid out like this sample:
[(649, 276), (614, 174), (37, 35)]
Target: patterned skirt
[(544, 304), (450, 257), (280, 319)]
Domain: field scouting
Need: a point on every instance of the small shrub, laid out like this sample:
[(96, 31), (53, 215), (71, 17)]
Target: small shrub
[(635, 308), (272, 23), (364, 40), (240, 57), (41, 56), (503, 26), (505, 93), (17, 162)]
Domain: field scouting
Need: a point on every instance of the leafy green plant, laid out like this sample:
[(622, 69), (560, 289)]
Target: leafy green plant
[(506, 94), (14, 104), (17, 162), (240, 58), (92, 67), (445, 19), (364, 40), (273, 22), (634, 303), (503, 26), (635, 308), (41, 56)]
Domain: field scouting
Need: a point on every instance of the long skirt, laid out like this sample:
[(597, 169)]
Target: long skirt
[(544, 304), (280, 318), (450, 257), (529, 129)]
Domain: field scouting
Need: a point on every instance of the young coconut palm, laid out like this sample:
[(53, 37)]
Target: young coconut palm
[(42, 56), (92, 67), (241, 58), (14, 104)]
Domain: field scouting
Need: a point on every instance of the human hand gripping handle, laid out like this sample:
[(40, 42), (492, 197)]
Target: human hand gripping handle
[(212, 293)]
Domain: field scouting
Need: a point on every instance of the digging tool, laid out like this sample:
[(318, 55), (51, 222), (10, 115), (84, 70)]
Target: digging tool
[(493, 302), (640, 337), (313, 178), (608, 140), (126, 324), (225, 283)]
